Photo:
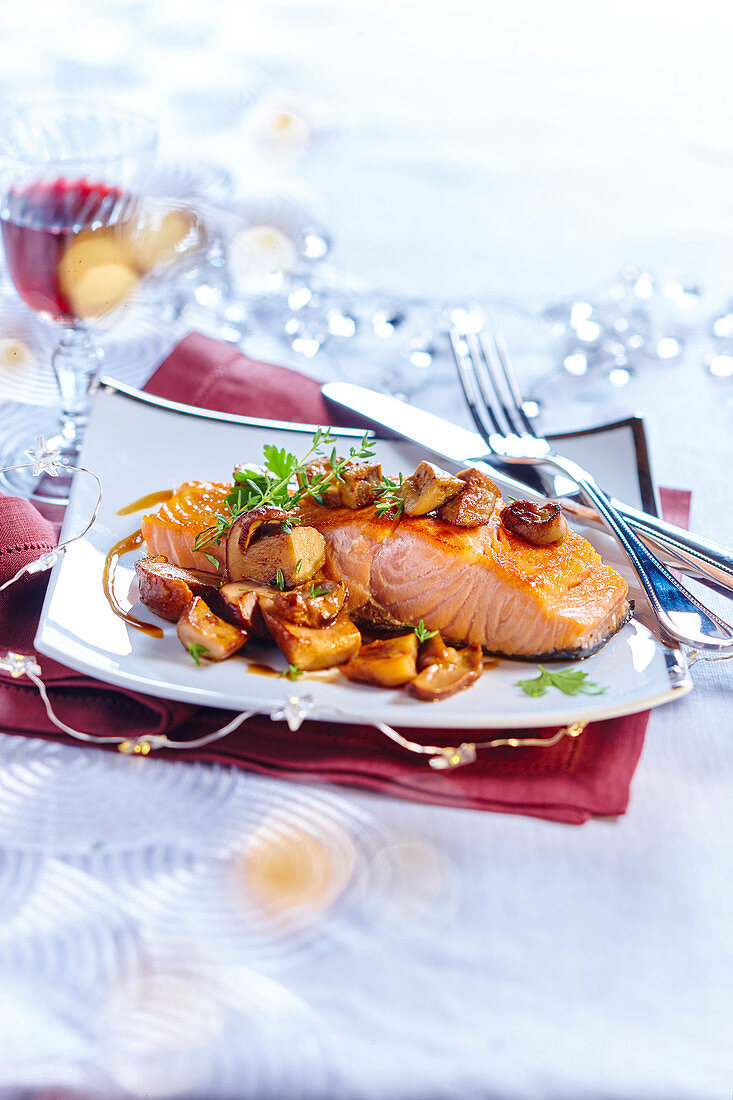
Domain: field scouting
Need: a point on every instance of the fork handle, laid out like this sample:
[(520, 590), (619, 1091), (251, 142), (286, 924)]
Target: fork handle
[(679, 613)]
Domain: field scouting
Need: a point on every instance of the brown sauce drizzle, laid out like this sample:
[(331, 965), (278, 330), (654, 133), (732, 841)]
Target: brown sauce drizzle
[(260, 669), (146, 502), (131, 542)]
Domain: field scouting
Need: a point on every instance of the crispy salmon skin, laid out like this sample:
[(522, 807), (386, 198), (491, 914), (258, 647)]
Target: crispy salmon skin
[(171, 531), (475, 585)]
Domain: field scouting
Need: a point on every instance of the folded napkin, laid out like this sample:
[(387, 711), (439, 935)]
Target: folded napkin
[(569, 782)]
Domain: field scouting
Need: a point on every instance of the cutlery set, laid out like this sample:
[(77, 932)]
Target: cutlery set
[(506, 438)]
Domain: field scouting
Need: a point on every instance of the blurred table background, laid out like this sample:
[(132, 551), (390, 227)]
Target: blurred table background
[(522, 156)]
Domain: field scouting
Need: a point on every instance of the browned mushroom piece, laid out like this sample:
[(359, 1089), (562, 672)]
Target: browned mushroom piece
[(474, 504), (427, 489), (168, 589), (199, 626), (239, 604), (386, 662), (431, 652), (312, 648), (361, 484), (316, 604), (318, 476), (256, 553), (457, 670), (254, 524), (538, 524)]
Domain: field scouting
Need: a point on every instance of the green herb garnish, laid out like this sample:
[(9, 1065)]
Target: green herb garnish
[(282, 482), (570, 681), (196, 650), (214, 561), (423, 633), (387, 498), (292, 672), (280, 579), (317, 590), (298, 565)]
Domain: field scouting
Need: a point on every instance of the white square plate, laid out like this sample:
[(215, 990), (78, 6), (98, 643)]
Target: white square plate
[(137, 448)]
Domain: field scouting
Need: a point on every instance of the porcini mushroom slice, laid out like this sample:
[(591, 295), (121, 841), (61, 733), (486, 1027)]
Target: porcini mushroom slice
[(427, 489), (445, 677), (240, 606), (318, 474), (386, 662), (316, 604), (298, 553), (432, 651), (474, 504), (311, 648), (248, 526), (538, 524), (361, 484), (168, 589), (199, 626)]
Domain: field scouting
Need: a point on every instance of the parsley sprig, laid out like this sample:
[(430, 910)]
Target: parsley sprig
[(196, 650), (292, 672), (282, 482), (387, 497), (570, 681), (423, 633)]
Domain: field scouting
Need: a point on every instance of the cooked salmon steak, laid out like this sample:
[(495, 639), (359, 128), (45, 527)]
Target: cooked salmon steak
[(480, 584), (172, 530)]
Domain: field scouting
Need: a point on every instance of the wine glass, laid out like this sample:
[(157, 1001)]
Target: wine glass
[(70, 177)]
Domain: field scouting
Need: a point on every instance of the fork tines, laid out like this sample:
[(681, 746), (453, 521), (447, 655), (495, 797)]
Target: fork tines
[(489, 384)]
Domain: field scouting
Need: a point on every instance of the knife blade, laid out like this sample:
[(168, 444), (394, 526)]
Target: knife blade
[(701, 558)]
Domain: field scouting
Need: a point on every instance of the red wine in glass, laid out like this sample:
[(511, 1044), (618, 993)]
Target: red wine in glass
[(54, 233), (70, 180)]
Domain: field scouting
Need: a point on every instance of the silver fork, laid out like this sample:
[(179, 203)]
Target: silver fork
[(496, 404)]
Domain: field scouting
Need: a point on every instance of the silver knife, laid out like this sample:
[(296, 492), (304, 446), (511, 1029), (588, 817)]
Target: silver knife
[(698, 557)]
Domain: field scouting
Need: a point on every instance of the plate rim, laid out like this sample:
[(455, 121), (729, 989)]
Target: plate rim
[(680, 683)]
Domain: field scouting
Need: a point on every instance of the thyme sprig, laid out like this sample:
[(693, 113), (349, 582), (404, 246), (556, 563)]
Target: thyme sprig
[(422, 632), (387, 499), (282, 482)]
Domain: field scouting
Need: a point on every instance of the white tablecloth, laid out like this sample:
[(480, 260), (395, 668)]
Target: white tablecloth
[(531, 153)]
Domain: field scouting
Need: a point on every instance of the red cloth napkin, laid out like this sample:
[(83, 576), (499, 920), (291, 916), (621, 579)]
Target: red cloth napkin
[(569, 782)]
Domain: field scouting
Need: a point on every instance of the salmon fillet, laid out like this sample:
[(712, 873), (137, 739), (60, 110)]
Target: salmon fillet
[(171, 531), (480, 584)]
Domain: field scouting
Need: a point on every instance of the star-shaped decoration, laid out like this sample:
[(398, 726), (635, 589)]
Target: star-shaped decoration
[(295, 711), (19, 664), (454, 757), (44, 459), (46, 561)]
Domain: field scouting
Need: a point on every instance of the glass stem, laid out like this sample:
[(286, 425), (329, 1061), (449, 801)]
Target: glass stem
[(76, 364)]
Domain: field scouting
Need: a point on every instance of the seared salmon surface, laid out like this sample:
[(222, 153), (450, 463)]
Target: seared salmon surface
[(172, 530), (480, 584)]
